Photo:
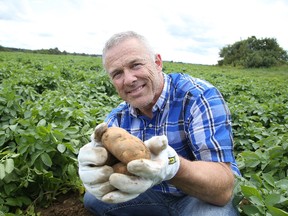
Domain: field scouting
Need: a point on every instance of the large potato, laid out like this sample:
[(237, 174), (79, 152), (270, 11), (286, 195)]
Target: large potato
[(121, 144)]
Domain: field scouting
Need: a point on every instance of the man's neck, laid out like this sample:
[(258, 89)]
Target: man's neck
[(146, 112)]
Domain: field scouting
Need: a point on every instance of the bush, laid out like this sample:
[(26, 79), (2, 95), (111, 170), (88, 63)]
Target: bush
[(254, 53)]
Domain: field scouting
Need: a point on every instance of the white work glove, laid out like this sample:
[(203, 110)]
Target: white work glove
[(94, 173), (92, 169), (163, 166)]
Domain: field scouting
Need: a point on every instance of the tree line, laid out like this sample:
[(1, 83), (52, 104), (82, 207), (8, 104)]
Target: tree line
[(54, 51), (248, 53)]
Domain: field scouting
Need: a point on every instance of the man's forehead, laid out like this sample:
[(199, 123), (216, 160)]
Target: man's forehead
[(127, 62), (126, 58), (126, 52)]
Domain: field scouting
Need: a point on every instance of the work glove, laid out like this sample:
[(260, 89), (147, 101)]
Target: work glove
[(93, 171), (95, 168), (163, 165)]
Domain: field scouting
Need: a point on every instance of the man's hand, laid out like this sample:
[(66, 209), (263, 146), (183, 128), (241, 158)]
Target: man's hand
[(163, 166), (94, 171)]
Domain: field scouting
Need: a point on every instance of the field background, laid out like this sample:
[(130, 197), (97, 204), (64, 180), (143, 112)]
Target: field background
[(49, 105)]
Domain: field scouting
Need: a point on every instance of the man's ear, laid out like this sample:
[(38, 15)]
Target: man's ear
[(158, 61)]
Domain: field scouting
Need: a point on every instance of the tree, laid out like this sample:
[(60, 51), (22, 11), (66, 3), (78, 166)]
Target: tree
[(253, 53)]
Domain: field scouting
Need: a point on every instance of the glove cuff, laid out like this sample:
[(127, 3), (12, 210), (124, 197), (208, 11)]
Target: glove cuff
[(173, 164)]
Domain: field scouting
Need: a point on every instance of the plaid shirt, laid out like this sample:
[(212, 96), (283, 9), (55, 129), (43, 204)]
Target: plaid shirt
[(192, 114)]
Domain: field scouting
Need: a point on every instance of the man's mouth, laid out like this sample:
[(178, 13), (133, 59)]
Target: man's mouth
[(136, 90)]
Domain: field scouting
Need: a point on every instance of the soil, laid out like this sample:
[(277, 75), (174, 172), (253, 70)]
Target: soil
[(65, 205)]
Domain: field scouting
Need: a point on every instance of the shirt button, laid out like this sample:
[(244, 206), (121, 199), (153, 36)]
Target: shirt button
[(150, 125)]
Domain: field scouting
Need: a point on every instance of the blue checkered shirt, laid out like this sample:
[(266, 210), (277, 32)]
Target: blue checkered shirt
[(192, 114)]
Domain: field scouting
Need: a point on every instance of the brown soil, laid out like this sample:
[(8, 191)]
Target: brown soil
[(66, 205)]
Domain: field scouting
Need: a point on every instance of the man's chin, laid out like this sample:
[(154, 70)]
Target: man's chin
[(139, 104)]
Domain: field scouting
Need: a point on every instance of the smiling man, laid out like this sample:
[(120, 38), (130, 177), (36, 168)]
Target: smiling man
[(194, 173), (136, 74)]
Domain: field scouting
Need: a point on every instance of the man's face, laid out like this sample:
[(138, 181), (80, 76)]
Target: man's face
[(136, 76)]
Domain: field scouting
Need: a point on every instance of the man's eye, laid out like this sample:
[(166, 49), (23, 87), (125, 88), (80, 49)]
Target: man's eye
[(137, 66), (116, 75)]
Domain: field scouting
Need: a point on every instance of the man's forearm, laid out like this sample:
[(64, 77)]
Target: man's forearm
[(211, 182)]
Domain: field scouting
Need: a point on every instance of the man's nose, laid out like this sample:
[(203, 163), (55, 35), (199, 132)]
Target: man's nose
[(129, 77)]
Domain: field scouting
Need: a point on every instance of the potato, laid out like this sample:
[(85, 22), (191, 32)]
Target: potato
[(121, 144), (121, 168)]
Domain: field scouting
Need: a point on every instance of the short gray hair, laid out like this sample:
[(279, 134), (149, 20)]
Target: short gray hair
[(122, 36)]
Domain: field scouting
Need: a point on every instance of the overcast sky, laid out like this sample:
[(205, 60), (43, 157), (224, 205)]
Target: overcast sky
[(190, 31)]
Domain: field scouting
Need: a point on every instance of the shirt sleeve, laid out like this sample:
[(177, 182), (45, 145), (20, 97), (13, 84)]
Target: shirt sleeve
[(210, 129)]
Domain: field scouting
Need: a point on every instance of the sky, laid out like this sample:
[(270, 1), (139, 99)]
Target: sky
[(189, 31)]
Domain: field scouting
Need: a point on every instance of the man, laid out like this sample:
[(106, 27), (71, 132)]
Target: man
[(194, 118)]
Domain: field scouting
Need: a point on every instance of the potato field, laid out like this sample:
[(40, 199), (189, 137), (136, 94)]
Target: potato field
[(50, 104)]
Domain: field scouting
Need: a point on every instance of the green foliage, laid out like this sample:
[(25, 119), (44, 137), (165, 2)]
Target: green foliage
[(50, 104), (48, 107), (253, 53)]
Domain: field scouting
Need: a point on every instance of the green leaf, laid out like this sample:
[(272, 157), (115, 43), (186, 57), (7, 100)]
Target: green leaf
[(276, 152), (71, 148), (9, 165), (61, 148), (251, 159), (24, 199), (2, 140), (65, 124), (257, 201), (71, 170), (269, 179), (9, 188), (46, 159), (58, 134), (34, 156), (2, 171), (250, 191), (72, 130), (283, 184), (13, 127), (86, 128), (27, 114), (15, 155), (256, 180), (276, 211), (75, 142), (272, 199), (42, 122), (42, 131), (251, 210), (13, 202)]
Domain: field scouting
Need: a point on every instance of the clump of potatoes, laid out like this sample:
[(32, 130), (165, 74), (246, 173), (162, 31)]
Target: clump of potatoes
[(123, 146)]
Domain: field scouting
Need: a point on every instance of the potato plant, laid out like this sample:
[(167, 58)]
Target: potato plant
[(50, 105)]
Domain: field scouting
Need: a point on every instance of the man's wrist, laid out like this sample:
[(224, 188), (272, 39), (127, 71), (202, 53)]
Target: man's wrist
[(180, 171)]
